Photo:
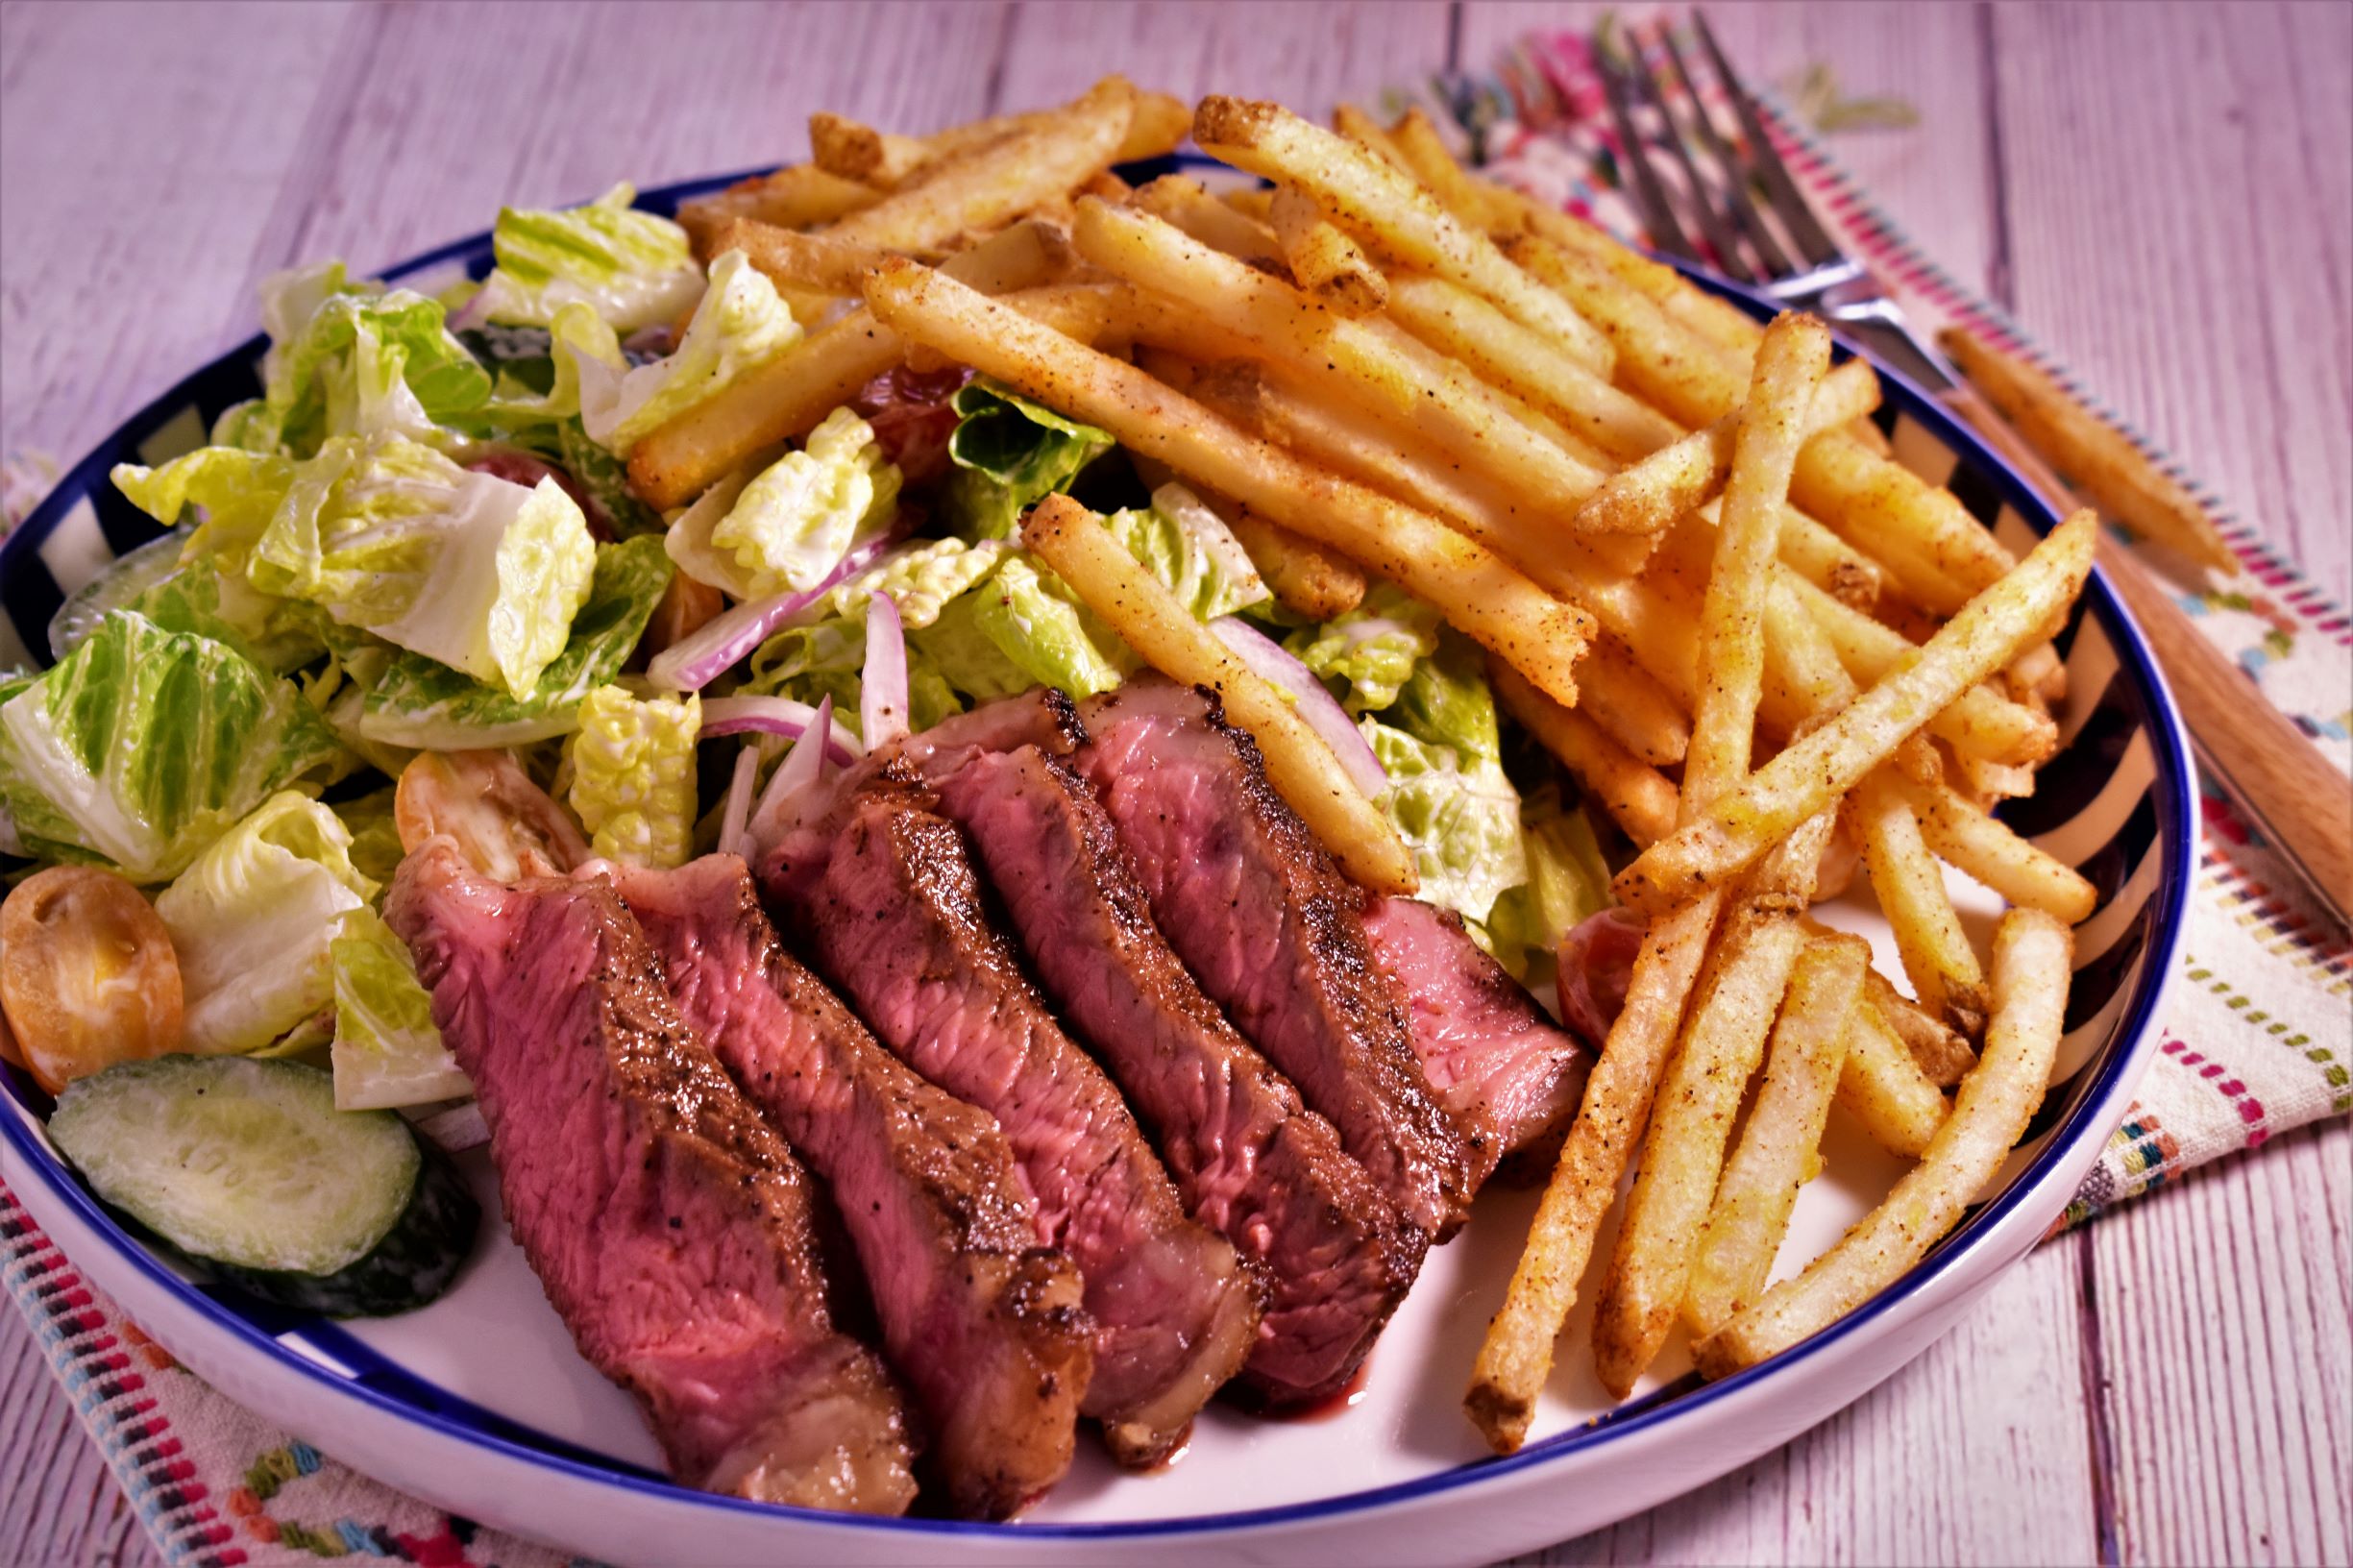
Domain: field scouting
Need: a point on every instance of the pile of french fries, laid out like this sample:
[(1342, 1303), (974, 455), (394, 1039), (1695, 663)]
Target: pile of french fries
[(1764, 648)]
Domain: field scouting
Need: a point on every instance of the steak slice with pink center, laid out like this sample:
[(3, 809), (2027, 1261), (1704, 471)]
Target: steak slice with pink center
[(982, 1322), (1252, 1161), (670, 1225)]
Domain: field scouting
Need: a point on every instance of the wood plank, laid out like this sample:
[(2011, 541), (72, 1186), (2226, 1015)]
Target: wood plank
[(2184, 232)]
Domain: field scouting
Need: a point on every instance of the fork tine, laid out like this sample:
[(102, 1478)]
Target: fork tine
[(1657, 215), (1780, 190), (1720, 238), (1736, 193)]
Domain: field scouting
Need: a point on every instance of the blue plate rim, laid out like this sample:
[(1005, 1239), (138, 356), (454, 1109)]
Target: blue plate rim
[(2173, 788)]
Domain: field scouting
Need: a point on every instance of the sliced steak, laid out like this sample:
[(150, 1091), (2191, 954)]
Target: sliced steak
[(1264, 920), (668, 1224), (981, 1321), (1251, 1159), (1508, 1075), (896, 922)]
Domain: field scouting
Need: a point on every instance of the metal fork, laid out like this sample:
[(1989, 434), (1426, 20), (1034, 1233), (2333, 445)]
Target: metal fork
[(1809, 272), (2295, 799)]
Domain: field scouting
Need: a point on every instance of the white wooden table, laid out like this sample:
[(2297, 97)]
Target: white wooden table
[(2172, 1384)]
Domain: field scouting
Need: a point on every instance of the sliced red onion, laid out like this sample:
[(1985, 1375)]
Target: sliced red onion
[(732, 839), (1596, 966), (778, 715), (1317, 708), (792, 784), (726, 641), (457, 1129), (882, 696)]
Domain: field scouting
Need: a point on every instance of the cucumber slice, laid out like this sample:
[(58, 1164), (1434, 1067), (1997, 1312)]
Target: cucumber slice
[(245, 1166)]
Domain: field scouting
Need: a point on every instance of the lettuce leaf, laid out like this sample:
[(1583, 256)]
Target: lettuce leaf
[(1008, 451), (1459, 817), (1372, 649), (251, 919), (415, 701), (1023, 628), (386, 1053), (633, 269), (633, 775), (351, 358), (740, 325), (376, 836), (789, 526), (1567, 880), (481, 574), (831, 636), (1446, 700), (1190, 550), (143, 746)]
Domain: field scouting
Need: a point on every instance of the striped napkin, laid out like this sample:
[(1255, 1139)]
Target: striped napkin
[(2256, 1039)]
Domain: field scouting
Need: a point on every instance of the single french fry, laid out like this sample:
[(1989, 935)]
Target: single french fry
[(1454, 321), (1638, 798), (1871, 435), (1884, 1088), (856, 151), (1684, 474), (1827, 561), (981, 187), (2090, 451), (1323, 261), (1174, 199), (1909, 885), (1698, 1099), (1985, 848), (791, 260), (1991, 630), (793, 197), (1939, 1050), (1425, 153), (1516, 1356), (1936, 552), (1364, 131), (1780, 1143), (2032, 953), (1481, 593), (1388, 208), (788, 396), (1303, 770), (1632, 709)]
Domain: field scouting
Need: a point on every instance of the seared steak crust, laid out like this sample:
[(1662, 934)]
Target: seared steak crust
[(1264, 920), (670, 1225), (1252, 1161), (897, 923), (982, 1322)]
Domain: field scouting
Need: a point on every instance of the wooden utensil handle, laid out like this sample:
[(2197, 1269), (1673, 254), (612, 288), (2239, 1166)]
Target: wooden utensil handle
[(2297, 797)]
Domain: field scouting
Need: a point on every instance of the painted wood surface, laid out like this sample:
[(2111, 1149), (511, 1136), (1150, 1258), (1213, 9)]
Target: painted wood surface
[(2161, 192)]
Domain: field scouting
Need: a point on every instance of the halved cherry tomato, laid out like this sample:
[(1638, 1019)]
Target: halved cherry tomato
[(504, 825), (87, 975)]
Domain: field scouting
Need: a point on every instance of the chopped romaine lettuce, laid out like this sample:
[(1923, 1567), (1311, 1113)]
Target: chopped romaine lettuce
[(351, 358), (1023, 628), (1446, 700), (387, 1051), (376, 837), (830, 635), (633, 775), (1567, 880), (1372, 648), (634, 269), (237, 491), (251, 919), (466, 567), (741, 324), (1008, 452), (1192, 550), (788, 527), (415, 701), (1461, 819), (143, 746)]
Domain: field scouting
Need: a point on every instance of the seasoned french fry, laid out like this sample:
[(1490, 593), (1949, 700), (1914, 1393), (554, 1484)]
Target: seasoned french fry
[(1631, 708), (1638, 798), (1942, 1055), (1482, 595), (2032, 954), (1414, 392), (1454, 321), (1936, 552), (2089, 451), (818, 263), (1990, 631), (1379, 203), (1715, 321), (1826, 561), (1986, 848), (1882, 1087), (1174, 199), (981, 187), (1910, 886), (786, 397), (1692, 381), (1133, 603), (1366, 131), (1779, 1144), (1425, 153), (1676, 478), (793, 197), (1324, 261), (856, 151)]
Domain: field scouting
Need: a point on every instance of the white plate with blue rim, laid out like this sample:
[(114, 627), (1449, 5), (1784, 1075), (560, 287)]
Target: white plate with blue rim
[(480, 1404)]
